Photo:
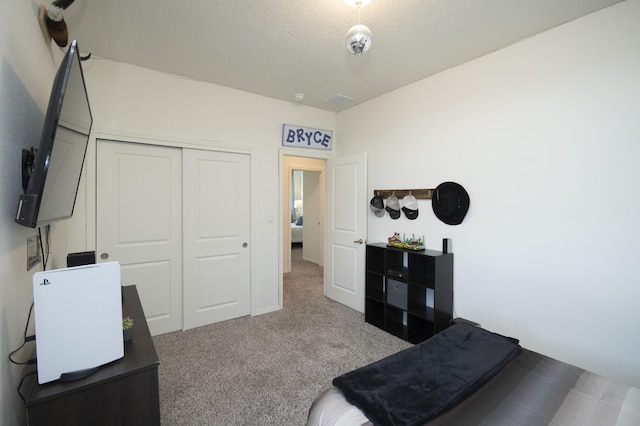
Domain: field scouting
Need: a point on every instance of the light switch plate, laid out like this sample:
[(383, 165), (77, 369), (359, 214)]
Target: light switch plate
[(33, 252)]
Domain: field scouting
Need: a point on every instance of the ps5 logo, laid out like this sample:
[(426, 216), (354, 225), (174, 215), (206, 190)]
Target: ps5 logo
[(45, 282)]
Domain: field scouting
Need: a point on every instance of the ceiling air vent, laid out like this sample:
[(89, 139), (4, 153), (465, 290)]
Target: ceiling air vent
[(339, 100)]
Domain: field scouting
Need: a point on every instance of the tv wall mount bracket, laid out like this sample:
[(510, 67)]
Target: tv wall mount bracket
[(28, 158)]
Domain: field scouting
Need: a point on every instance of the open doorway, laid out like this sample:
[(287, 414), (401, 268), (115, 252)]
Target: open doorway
[(304, 204)]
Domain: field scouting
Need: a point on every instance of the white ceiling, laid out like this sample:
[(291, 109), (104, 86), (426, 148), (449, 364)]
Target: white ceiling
[(277, 48)]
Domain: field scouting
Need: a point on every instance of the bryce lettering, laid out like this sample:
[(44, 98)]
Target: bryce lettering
[(313, 138)]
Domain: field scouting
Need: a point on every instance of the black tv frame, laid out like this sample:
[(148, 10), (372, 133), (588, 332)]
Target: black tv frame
[(36, 163)]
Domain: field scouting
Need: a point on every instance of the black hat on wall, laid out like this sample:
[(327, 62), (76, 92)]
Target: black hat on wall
[(450, 203)]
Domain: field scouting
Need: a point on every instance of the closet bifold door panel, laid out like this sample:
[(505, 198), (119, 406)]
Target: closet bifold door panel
[(216, 237), (139, 224)]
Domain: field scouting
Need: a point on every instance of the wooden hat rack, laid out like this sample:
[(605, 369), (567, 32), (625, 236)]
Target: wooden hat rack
[(420, 194)]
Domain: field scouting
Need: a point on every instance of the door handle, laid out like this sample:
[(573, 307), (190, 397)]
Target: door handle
[(360, 241), (104, 256)]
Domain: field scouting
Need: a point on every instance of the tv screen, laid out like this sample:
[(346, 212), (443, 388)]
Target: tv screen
[(52, 188)]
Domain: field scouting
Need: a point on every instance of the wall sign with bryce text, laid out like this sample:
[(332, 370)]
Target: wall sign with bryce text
[(306, 137)]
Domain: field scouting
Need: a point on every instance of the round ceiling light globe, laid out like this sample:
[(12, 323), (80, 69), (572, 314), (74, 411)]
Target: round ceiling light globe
[(358, 39)]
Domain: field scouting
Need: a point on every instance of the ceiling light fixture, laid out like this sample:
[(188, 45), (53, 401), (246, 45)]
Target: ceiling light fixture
[(359, 36)]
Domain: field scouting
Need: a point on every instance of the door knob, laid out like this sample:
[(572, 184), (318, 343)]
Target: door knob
[(244, 244), (104, 256), (360, 241)]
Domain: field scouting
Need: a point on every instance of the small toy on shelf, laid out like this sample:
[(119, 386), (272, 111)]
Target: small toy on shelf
[(412, 243)]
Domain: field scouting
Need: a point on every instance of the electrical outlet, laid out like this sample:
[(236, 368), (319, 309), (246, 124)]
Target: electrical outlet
[(33, 252)]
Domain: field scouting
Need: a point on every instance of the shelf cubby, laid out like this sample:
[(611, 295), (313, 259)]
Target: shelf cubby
[(408, 293)]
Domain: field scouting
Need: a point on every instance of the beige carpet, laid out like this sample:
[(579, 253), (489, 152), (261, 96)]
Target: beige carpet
[(266, 370)]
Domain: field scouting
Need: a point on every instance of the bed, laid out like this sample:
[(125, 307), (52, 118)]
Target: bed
[(296, 231), (481, 378)]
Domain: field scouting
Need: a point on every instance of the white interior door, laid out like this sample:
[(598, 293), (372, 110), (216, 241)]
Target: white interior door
[(139, 224), (346, 230), (216, 237)]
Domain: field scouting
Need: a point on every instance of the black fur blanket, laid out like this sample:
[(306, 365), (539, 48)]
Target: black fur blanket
[(416, 385)]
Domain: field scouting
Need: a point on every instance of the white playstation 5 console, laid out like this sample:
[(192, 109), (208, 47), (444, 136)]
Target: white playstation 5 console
[(78, 316)]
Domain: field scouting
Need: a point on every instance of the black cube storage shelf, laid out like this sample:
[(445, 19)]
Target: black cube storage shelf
[(408, 293)]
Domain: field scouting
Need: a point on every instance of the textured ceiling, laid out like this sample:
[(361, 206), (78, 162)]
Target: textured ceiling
[(277, 48)]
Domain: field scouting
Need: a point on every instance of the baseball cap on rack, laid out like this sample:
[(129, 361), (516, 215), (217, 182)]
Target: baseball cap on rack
[(377, 205), (410, 206), (393, 206)]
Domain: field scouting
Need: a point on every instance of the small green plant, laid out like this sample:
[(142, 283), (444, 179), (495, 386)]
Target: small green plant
[(127, 323)]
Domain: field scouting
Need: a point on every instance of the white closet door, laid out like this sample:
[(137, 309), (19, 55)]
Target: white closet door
[(216, 236), (139, 224)]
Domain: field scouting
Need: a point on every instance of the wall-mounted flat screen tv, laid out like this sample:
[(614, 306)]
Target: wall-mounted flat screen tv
[(52, 187)]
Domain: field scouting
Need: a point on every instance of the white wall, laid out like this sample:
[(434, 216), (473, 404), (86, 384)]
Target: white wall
[(27, 67), (132, 102), (545, 137)]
